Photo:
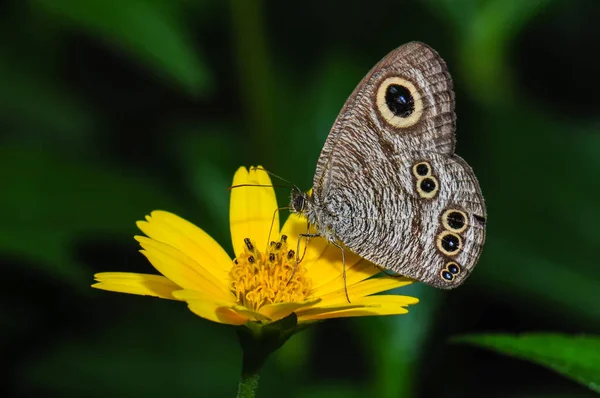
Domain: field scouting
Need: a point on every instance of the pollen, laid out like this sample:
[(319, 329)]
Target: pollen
[(259, 278)]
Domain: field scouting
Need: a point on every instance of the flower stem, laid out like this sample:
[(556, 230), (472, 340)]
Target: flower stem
[(248, 385), (258, 341)]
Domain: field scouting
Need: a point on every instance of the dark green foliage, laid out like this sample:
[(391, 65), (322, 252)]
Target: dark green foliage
[(111, 109)]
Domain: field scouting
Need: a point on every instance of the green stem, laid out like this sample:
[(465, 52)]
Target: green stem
[(248, 385), (258, 341)]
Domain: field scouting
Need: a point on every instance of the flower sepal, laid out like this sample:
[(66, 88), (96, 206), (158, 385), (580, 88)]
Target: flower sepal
[(258, 340)]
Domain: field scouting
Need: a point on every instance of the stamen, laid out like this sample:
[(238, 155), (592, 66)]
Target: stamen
[(258, 278)]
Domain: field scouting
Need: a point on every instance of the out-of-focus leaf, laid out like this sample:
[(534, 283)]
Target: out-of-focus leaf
[(534, 195), (209, 158), (49, 199), (34, 104), (576, 357), (486, 30), (398, 342), (153, 31), (152, 349)]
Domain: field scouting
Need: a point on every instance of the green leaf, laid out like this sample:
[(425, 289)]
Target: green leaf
[(396, 360), (33, 101), (576, 357), (141, 347), (153, 31), (49, 200)]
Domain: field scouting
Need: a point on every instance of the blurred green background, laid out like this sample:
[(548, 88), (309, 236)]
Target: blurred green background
[(111, 109)]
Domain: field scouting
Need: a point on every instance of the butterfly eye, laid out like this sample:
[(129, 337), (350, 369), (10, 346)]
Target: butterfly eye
[(298, 202), (427, 187), (399, 103), (449, 243), (421, 169), (454, 220)]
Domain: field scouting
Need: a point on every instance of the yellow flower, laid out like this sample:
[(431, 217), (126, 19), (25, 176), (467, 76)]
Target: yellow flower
[(256, 285)]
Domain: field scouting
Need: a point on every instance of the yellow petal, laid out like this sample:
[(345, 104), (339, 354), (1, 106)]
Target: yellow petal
[(359, 272), (208, 307), (371, 305), (142, 284), (252, 209), (250, 314), (365, 311), (322, 259), (189, 239), (181, 269), (281, 310), (362, 289)]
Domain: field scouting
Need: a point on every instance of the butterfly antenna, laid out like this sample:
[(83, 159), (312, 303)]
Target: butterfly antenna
[(258, 185), (290, 185)]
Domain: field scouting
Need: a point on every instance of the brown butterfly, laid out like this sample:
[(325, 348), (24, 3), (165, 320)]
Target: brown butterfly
[(388, 185)]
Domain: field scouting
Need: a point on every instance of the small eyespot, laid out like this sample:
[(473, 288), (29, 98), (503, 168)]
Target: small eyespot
[(421, 169), (399, 102), (445, 274), (454, 220), (453, 267), (449, 243), (427, 187)]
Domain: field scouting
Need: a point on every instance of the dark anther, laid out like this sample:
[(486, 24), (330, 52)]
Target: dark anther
[(235, 261), (251, 259), (399, 100), (291, 254), (447, 275), (272, 257), (248, 244), (284, 238), (450, 242), (278, 245), (427, 185), (453, 268), (422, 169), (456, 220), (272, 243)]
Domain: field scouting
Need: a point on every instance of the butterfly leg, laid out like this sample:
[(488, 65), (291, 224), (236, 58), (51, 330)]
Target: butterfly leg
[(343, 268), (298, 260)]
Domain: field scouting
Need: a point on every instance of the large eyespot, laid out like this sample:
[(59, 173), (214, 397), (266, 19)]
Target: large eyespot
[(399, 102), (421, 169), (446, 275), (454, 220), (453, 267), (427, 187), (449, 243)]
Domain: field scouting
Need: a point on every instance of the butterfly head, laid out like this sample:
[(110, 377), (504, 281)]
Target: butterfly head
[(299, 201)]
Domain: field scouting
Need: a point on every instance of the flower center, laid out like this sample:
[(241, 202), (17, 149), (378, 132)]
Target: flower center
[(259, 278)]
